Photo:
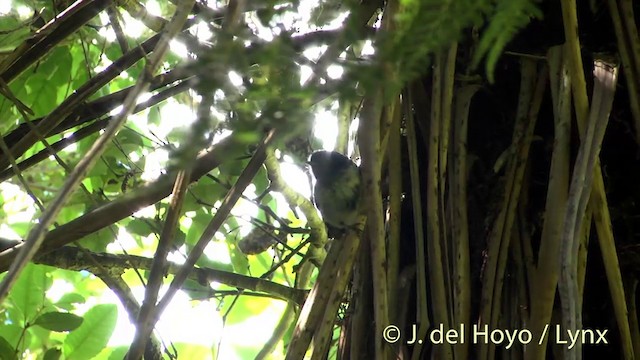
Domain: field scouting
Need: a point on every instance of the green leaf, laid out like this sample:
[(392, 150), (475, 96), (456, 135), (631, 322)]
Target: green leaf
[(261, 181), (42, 94), (21, 228), (93, 335), (68, 301), (245, 308), (510, 16), (129, 137), (198, 224), (59, 321), (52, 354), (12, 334), (238, 258), (140, 227), (56, 66), (40, 337), (28, 294), (118, 353), (6, 350), (13, 31), (70, 212), (98, 241), (153, 117), (234, 168), (179, 238), (208, 192), (205, 262)]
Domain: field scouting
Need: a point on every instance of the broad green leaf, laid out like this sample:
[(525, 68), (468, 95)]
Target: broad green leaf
[(261, 181), (70, 212), (6, 350), (56, 68), (94, 333), (12, 334), (118, 353), (40, 337), (22, 228), (99, 240), (179, 238), (216, 265), (13, 32), (42, 93), (260, 263), (208, 192), (28, 294), (68, 301), (238, 258), (233, 168), (113, 52), (129, 137), (59, 321), (245, 308), (198, 224), (140, 227), (52, 354), (153, 116)]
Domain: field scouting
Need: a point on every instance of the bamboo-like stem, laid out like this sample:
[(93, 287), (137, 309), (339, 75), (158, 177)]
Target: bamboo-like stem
[(337, 266), (583, 238), (579, 194), (418, 227), (518, 167), (548, 266), (362, 302), (631, 286), (446, 66), (629, 47), (459, 218), (601, 214), (502, 227), (370, 169), (394, 166), (346, 259)]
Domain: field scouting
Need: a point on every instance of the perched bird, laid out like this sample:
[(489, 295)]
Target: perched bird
[(337, 190)]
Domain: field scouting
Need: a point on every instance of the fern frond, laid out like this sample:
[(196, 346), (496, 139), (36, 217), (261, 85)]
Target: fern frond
[(509, 17), (424, 27)]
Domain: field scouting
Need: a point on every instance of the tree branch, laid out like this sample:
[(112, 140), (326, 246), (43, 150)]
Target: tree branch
[(75, 259)]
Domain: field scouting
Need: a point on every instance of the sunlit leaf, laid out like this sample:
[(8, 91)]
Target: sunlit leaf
[(118, 353), (69, 300), (94, 333), (58, 321), (28, 294), (13, 334), (6, 350)]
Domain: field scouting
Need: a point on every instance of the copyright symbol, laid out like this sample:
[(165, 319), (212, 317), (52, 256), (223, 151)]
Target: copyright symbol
[(391, 334)]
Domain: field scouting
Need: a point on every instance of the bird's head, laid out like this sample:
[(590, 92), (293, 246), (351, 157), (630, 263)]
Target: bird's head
[(326, 165)]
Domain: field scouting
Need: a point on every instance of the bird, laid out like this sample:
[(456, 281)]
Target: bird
[(337, 189)]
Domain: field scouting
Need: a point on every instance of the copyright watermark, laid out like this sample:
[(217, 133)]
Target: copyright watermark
[(481, 334)]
